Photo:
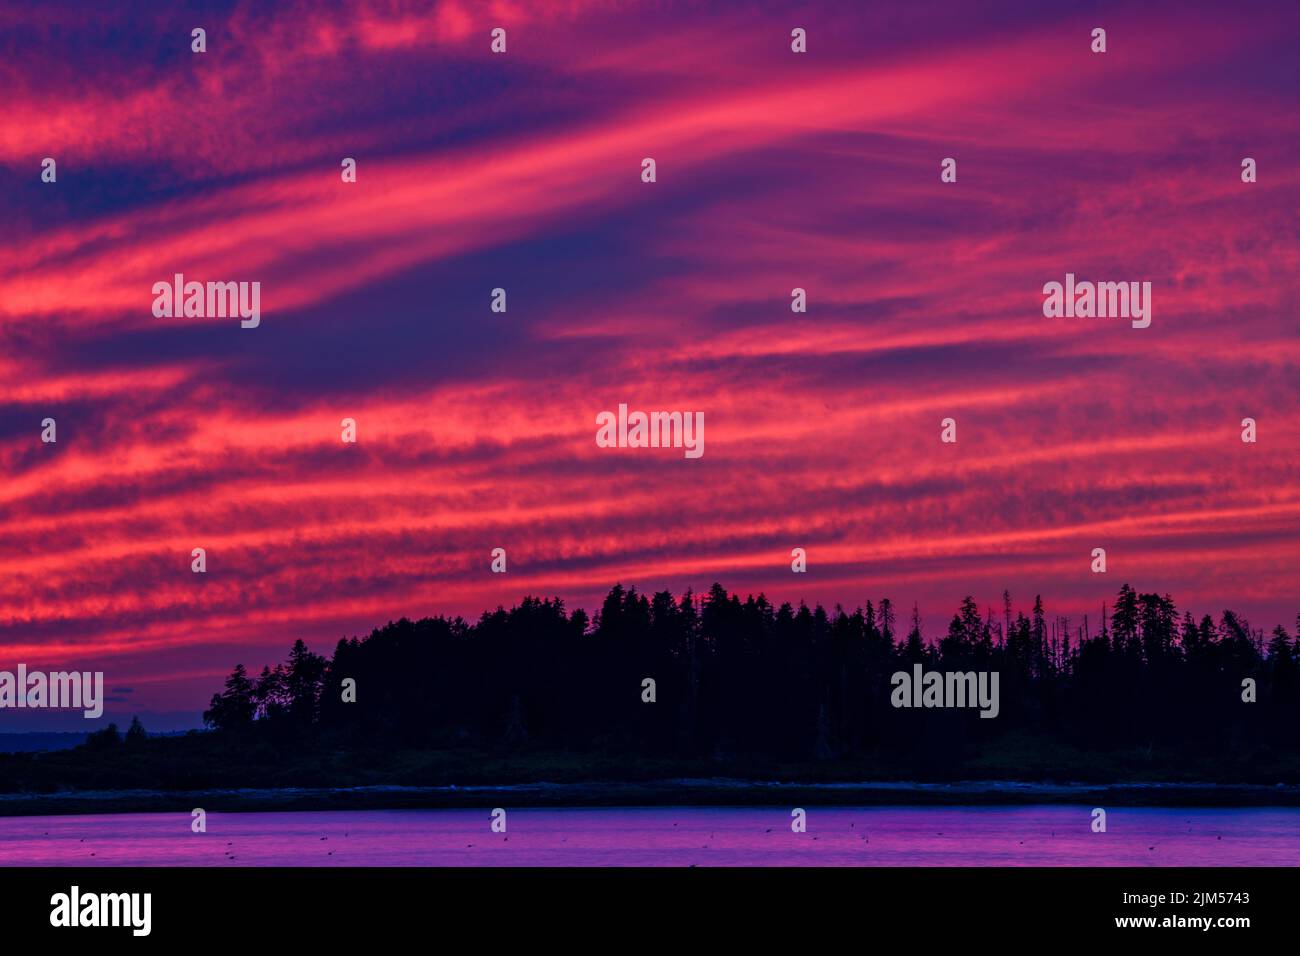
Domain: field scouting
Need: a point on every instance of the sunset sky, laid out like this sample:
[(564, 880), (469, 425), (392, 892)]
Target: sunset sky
[(476, 430)]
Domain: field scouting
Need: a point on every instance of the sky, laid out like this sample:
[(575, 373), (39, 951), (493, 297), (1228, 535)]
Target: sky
[(522, 170)]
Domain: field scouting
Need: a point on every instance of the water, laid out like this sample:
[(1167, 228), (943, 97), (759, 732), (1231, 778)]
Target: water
[(666, 836)]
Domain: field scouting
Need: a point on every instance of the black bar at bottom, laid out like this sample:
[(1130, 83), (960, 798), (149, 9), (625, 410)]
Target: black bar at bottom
[(728, 906)]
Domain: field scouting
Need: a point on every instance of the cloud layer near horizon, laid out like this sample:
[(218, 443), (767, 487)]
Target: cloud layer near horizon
[(476, 430)]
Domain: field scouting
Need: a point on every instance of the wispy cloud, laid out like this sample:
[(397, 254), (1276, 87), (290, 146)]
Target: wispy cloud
[(476, 429)]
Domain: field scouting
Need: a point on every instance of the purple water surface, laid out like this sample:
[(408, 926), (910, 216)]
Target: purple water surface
[(666, 836)]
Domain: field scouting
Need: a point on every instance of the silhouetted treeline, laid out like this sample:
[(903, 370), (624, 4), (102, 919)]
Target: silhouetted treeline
[(736, 677)]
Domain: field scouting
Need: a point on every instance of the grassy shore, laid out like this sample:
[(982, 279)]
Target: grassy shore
[(220, 774)]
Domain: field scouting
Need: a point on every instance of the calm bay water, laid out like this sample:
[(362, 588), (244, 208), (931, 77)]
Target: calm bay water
[(667, 836)]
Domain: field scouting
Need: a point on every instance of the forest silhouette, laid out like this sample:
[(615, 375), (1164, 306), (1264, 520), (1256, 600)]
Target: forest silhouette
[(744, 690), (744, 677)]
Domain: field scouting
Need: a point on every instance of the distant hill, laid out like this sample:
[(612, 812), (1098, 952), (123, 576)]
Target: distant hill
[(29, 742), (35, 741)]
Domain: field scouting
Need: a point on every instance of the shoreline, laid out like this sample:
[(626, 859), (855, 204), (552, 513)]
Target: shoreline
[(716, 792)]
